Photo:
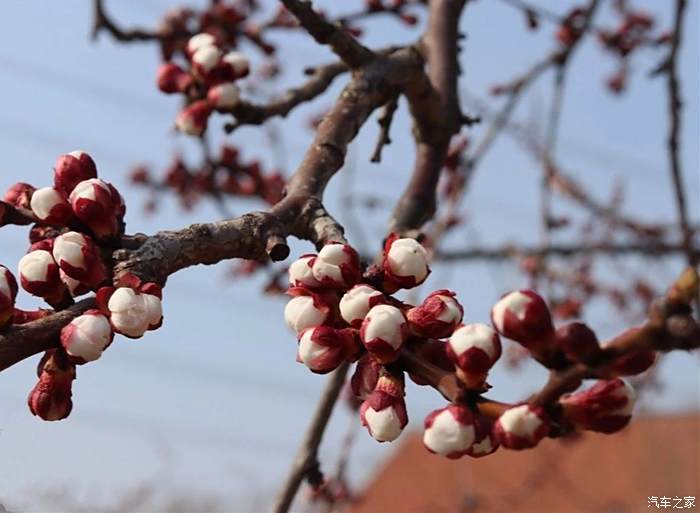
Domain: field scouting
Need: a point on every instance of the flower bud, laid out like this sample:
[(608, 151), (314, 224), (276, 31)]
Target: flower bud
[(71, 169), (364, 379), (133, 313), (306, 310), (485, 442), (473, 349), (78, 257), (224, 96), (383, 413), (87, 336), (523, 316), (192, 120), (337, 266), (322, 348), (437, 317), (405, 262), (38, 274), (199, 41), (50, 206), (99, 206), (521, 427), (578, 342), (51, 399), (449, 431), (171, 78), (20, 195), (383, 332), (8, 294), (357, 302), (238, 62), (300, 274), (205, 59), (606, 407)]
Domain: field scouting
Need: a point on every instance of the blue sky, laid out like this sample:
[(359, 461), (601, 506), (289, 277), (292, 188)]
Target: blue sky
[(213, 402)]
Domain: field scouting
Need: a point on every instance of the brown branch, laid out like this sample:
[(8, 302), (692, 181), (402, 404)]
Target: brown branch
[(509, 252), (385, 119), (436, 113), (675, 105), (101, 21), (247, 113), (345, 46), (9, 214), (306, 460), (24, 340)]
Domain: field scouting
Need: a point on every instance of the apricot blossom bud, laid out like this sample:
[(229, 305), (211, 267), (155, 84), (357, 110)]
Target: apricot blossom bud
[(199, 41), (38, 274), (357, 302), (87, 336), (51, 399), (437, 317), (606, 407), (366, 375), (523, 316), (485, 441), (405, 262), (238, 62), (306, 309), (205, 59), (473, 349), (8, 294), (383, 332), (20, 195), (50, 206), (193, 119), (98, 205), (578, 341), (171, 78), (449, 431), (337, 266), (71, 169), (383, 413), (224, 96), (300, 273), (78, 257), (521, 427), (322, 348), (133, 313)]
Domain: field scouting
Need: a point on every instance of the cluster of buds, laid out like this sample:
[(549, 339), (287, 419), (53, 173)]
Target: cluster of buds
[(78, 223), (226, 175), (208, 82)]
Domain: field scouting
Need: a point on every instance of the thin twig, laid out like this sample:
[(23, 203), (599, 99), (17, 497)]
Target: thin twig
[(384, 120), (306, 459)]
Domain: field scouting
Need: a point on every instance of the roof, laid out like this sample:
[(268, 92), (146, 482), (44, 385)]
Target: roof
[(654, 456)]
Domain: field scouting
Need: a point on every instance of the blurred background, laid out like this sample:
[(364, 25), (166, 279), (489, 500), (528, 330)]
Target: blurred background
[(206, 413)]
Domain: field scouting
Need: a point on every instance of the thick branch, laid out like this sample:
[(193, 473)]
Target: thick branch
[(306, 461), (436, 114), (345, 46), (24, 340)]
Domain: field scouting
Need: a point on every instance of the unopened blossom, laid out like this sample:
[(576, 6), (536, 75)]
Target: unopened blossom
[(405, 262), (437, 316), (133, 313), (523, 316), (38, 274), (238, 62), (578, 342), (78, 257), (71, 169), (205, 59), (485, 441), (364, 379), (306, 309), (99, 206), (199, 41), (449, 431), (383, 332), (300, 273), (473, 349), (357, 302), (606, 407), (224, 96), (171, 78), (87, 336), (50, 399), (19, 195), (383, 413), (322, 348), (8, 294), (50, 206), (336, 265), (521, 427), (193, 119)]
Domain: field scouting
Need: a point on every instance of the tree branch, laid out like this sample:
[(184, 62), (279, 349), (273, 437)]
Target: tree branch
[(306, 461), (101, 21)]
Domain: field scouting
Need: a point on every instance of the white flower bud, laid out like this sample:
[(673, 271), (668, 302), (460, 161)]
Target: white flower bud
[(301, 313), (87, 336), (406, 262), (449, 431), (300, 273), (224, 96), (131, 313), (200, 41), (239, 62), (49, 205), (357, 302), (206, 57)]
